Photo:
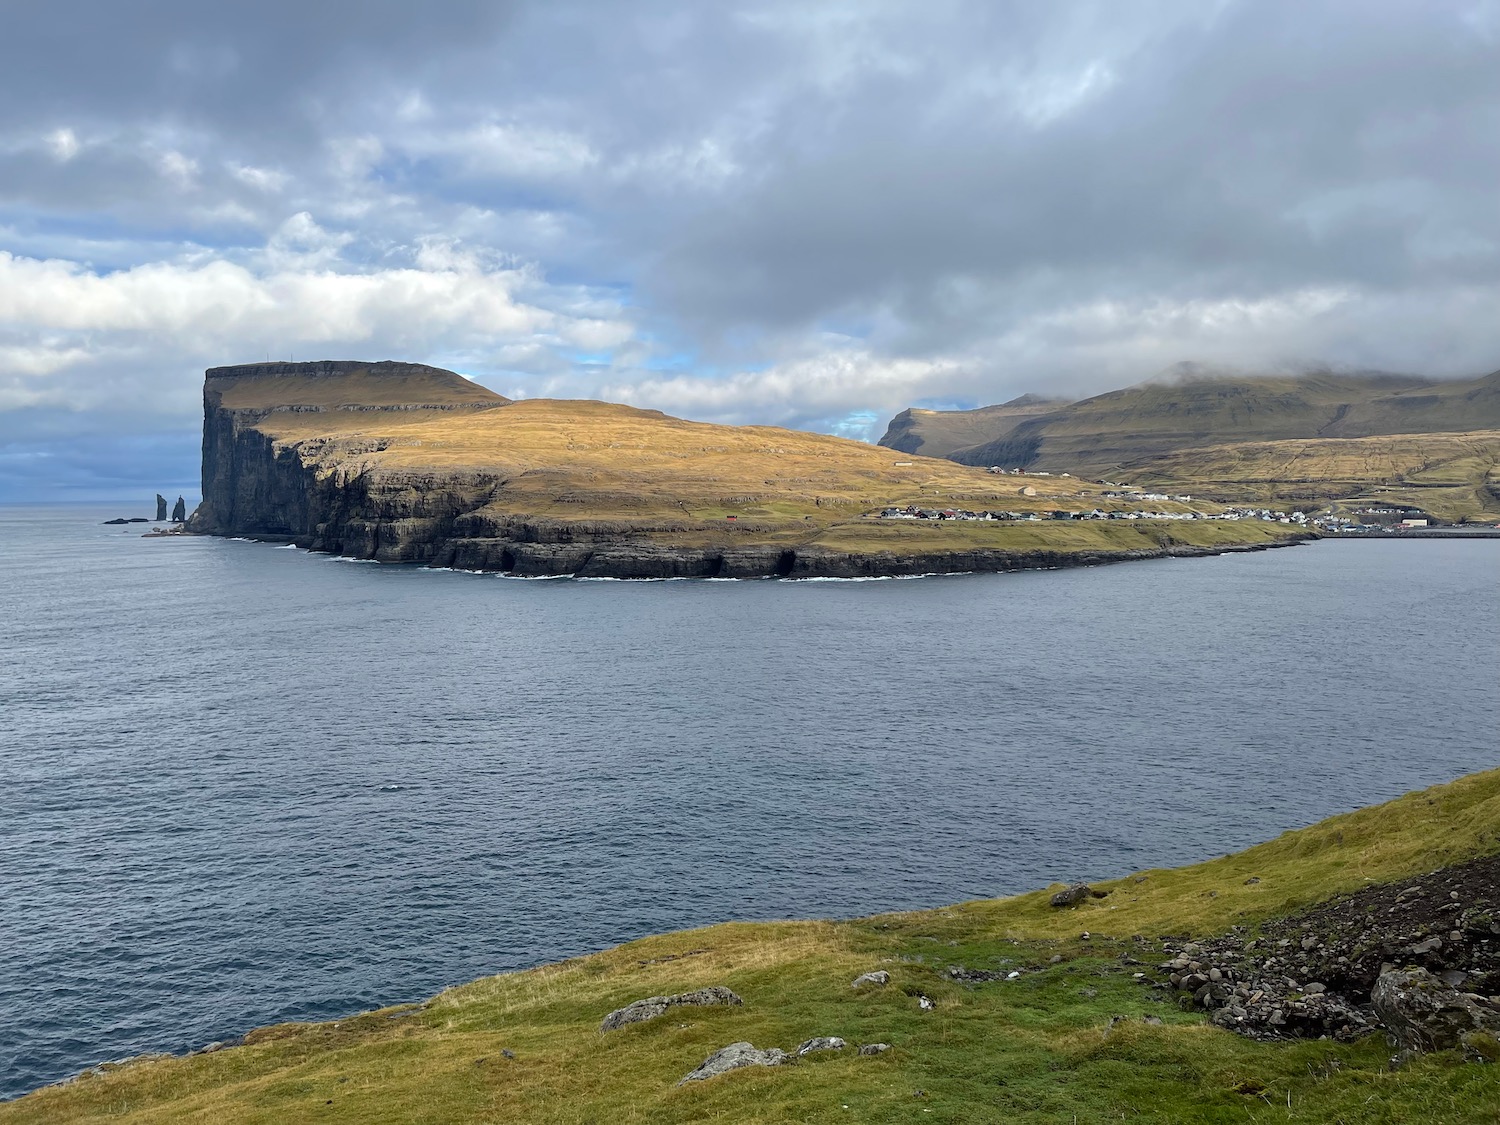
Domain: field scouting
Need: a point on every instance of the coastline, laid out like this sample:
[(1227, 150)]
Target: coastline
[(497, 1039), (634, 561)]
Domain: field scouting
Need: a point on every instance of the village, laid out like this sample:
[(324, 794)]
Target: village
[(1362, 521)]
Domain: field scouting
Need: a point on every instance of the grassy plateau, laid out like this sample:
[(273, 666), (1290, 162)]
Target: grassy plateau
[(1044, 1047)]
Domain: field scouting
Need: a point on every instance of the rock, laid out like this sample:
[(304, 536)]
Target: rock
[(161, 508), (734, 1057), (1430, 945), (1072, 895), (179, 511), (1424, 1014), (653, 1006), (973, 976), (879, 976), (874, 1048), (821, 1043), (925, 1003)]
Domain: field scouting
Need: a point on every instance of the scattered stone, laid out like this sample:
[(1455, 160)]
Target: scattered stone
[(1422, 1014), (653, 1006), (506, 1052), (821, 1043), (925, 1003), (1250, 882), (1014, 974), (874, 1048), (734, 1057), (1055, 959), (879, 976)]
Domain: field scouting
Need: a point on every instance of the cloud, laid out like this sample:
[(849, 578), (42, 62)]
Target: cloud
[(757, 211)]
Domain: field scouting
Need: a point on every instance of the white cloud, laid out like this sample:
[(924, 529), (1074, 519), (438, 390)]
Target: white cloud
[(61, 323), (261, 179), (507, 150), (829, 384), (179, 168), (64, 144)]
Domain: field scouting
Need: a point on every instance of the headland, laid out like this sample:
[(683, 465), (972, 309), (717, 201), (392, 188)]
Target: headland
[(404, 463)]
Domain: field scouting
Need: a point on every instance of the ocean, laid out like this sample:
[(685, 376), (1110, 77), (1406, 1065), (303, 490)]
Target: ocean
[(245, 784)]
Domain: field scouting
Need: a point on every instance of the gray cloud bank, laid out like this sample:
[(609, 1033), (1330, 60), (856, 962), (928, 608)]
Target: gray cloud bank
[(806, 214)]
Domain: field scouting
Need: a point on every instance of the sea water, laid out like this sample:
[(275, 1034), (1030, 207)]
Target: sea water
[(244, 784)]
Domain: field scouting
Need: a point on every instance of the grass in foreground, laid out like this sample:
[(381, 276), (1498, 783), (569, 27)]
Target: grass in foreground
[(1036, 1049)]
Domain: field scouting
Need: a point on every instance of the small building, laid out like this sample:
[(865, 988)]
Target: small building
[(1409, 522)]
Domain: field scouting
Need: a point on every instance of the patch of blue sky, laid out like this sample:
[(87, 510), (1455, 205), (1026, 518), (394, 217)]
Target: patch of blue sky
[(947, 404), (859, 425)]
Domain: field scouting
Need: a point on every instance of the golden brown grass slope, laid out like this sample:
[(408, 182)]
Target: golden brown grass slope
[(1098, 435), (1453, 476), (342, 385), (602, 463), (418, 439)]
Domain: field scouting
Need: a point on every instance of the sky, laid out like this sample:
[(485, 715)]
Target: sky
[(810, 214)]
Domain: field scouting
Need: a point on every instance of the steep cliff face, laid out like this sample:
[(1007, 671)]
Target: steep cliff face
[(404, 463), (258, 485)]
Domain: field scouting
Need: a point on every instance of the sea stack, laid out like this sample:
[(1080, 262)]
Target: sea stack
[(161, 507), (179, 511)]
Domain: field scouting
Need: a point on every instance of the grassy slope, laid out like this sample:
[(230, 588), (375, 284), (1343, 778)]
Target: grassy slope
[(1451, 475), (1032, 1050), (574, 461), (1157, 420)]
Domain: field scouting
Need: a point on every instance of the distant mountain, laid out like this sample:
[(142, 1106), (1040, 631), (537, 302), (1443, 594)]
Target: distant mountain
[(938, 433), (1099, 434)]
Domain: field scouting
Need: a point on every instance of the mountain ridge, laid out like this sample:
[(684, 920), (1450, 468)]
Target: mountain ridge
[(1157, 417)]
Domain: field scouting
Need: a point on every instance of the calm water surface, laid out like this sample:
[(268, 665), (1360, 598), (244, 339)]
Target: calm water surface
[(244, 784)]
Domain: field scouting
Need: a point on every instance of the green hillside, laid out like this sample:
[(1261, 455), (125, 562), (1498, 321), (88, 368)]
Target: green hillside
[(1077, 1033)]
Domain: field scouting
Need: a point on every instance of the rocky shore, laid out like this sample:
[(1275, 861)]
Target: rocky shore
[(568, 552)]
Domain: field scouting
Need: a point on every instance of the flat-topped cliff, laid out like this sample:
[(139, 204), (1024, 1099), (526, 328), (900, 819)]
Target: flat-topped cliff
[(401, 462)]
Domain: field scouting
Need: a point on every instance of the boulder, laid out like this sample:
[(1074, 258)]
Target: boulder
[(653, 1006), (874, 1048), (733, 1057), (821, 1043), (879, 976), (1072, 895), (1424, 1014)]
